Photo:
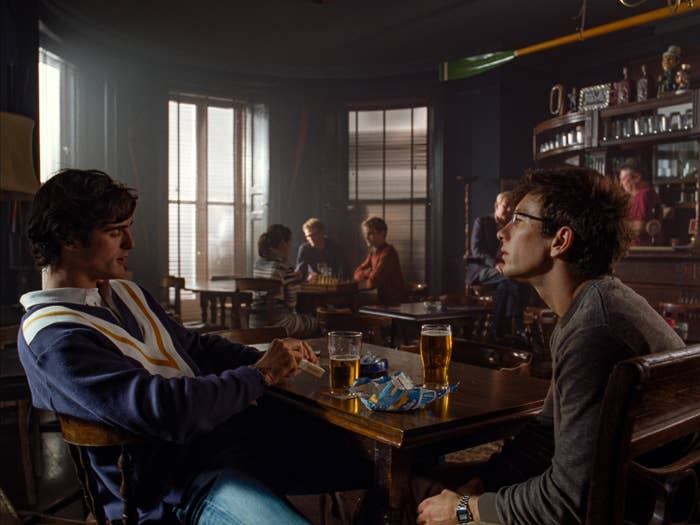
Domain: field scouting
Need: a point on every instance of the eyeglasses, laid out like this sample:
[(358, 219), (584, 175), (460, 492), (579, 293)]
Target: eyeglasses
[(517, 214)]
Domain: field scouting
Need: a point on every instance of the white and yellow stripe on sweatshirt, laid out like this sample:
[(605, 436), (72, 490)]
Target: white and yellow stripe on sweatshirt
[(156, 353)]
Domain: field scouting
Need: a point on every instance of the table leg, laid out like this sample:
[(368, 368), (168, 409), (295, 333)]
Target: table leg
[(212, 308), (392, 470), (203, 302)]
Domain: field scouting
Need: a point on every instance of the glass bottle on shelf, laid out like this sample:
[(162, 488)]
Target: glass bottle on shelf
[(643, 85)]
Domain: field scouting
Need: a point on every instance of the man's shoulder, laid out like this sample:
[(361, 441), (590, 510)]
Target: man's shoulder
[(485, 220), (611, 311)]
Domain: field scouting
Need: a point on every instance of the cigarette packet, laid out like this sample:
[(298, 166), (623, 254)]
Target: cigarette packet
[(310, 368)]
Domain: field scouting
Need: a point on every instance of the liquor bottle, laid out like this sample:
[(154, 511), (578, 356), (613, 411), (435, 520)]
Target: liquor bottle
[(624, 87), (643, 85)]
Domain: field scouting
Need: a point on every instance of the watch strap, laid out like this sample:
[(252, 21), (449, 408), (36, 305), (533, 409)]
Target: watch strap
[(464, 514)]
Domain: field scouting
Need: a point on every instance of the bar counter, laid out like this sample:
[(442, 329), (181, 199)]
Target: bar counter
[(662, 274)]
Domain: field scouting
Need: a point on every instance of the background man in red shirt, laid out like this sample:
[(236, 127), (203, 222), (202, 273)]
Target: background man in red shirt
[(381, 269)]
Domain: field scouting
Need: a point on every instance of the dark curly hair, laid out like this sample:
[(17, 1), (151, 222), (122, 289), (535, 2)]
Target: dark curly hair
[(70, 205), (275, 234), (594, 206)]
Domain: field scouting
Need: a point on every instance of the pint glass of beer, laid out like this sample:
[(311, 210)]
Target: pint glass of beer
[(435, 353), (344, 359)]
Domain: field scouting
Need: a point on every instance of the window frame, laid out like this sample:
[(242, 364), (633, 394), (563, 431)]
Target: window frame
[(202, 200), (426, 202)]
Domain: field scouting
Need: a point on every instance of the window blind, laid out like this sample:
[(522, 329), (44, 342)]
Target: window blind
[(216, 157), (388, 177)]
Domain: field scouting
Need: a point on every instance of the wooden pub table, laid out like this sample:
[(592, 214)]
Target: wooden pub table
[(487, 405), (341, 295), (213, 296), (407, 317)]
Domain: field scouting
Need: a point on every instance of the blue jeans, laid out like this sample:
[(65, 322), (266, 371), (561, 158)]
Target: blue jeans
[(228, 496)]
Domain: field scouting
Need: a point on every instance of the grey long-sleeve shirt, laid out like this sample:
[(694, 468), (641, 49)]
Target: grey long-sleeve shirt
[(606, 323)]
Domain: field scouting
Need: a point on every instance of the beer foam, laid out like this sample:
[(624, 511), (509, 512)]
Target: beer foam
[(435, 333)]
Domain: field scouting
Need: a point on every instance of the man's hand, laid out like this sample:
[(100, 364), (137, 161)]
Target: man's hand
[(439, 510), (499, 267), (283, 357)]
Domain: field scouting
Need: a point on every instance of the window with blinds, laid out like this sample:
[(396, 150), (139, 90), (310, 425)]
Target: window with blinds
[(388, 177), (218, 159)]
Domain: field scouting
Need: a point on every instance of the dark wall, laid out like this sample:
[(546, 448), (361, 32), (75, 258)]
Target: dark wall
[(19, 37), (481, 130)]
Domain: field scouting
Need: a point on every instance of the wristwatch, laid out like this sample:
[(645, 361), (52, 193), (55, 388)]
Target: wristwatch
[(464, 515)]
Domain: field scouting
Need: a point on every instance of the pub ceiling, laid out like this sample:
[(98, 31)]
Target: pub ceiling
[(322, 38)]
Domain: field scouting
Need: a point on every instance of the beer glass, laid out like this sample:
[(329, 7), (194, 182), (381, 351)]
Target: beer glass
[(344, 361), (435, 353)]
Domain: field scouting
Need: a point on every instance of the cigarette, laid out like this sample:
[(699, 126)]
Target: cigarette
[(310, 368)]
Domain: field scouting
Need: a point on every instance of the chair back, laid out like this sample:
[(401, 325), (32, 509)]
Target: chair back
[(371, 326), (253, 336), (172, 306), (79, 435), (491, 356), (650, 401), (270, 287)]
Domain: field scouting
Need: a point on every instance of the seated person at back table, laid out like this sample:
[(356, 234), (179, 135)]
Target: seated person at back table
[(100, 348), (381, 269), (319, 251), (645, 204), (273, 248), (486, 267), (568, 229)]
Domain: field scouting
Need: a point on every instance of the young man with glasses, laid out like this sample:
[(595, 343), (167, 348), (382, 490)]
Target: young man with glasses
[(569, 227)]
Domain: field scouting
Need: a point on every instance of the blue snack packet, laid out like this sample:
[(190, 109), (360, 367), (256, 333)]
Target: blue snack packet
[(396, 393)]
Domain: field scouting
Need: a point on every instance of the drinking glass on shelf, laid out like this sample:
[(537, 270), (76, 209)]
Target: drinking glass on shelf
[(651, 124), (687, 120), (627, 127), (661, 123), (674, 123), (436, 354), (344, 361)]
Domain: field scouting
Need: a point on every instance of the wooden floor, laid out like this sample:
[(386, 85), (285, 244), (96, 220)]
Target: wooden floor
[(58, 477)]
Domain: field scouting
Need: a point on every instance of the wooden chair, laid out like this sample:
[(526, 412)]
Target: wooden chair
[(79, 435), (232, 304), (371, 326), (539, 325), (269, 287), (15, 394), (253, 336), (9, 515), (173, 306), (650, 402)]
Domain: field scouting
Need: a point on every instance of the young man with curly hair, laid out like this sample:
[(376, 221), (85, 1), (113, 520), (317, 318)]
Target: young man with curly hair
[(569, 227)]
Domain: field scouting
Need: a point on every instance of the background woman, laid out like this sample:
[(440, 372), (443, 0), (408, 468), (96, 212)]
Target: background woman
[(273, 249)]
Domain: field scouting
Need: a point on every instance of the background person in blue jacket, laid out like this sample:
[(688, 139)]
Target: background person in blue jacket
[(100, 348)]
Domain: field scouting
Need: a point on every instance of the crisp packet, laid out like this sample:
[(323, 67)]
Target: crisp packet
[(396, 393)]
